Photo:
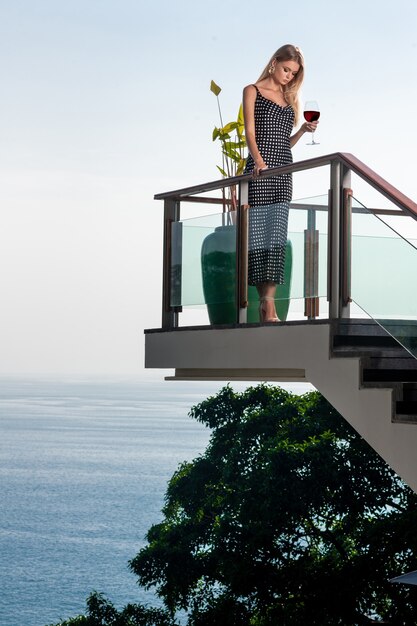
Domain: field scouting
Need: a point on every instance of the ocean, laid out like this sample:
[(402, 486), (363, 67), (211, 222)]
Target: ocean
[(84, 465)]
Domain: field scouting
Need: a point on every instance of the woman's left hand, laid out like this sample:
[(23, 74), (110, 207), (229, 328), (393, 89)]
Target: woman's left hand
[(309, 127)]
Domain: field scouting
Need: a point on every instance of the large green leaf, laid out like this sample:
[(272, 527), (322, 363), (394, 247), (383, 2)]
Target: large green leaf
[(222, 172), (229, 127), (216, 133), (241, 124), (215, 88), (231, 153), (240, 119), (237, 144)]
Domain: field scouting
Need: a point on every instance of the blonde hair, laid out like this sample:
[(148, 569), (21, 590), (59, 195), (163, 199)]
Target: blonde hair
[(289, 52)]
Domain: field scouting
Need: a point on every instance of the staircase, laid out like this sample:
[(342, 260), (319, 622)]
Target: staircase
[(384, 363)]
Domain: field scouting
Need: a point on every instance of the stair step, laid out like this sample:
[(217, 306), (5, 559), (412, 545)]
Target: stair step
[(354, 327), (405, 419), (383, 341), (407, 407), (369, 351), (367, 321), (389, 375), (410, 391), (399, 358), (406, 328), (402, 362), (402, 331)]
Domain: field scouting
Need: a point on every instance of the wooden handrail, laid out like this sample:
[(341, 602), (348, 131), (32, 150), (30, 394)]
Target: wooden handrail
[(348, 160), (379, 183)]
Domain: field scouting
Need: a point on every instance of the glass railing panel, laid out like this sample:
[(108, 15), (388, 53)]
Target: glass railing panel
[(378, 204), (203, 262), (191, 239), (383, 274), (308, 224)]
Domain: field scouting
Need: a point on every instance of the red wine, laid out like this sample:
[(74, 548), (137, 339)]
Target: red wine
[(311, 116)]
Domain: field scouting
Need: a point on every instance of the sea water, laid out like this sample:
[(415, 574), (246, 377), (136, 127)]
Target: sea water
[(84, 466)]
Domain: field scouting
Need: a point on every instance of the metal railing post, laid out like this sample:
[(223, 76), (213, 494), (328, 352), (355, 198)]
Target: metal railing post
[(339, 238), (169, 313), (333, 256), (311, 266), (346, 242), (242, 253)]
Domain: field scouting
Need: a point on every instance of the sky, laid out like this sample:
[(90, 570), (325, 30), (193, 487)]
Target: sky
[(105, 103)]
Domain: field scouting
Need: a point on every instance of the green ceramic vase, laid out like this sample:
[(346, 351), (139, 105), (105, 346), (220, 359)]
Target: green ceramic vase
[(218, 263)]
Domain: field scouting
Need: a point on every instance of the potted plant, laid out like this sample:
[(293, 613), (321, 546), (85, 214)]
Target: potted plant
[(218, 254)]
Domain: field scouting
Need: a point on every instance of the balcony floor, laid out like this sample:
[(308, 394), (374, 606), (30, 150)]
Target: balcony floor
[(270, 351)]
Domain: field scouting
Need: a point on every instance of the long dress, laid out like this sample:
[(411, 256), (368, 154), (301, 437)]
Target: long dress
[(269, 198)]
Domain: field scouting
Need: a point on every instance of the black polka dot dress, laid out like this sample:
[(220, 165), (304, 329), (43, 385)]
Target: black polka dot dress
[(269, 198)]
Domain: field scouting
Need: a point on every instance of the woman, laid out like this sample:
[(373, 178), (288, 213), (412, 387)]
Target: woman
[(271, 110)]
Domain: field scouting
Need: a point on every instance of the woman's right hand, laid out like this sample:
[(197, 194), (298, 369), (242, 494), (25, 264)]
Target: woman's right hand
[(258, 166), (309, 127)]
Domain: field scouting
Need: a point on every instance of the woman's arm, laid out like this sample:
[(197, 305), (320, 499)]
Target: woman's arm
[(307, 127), (249, 97)]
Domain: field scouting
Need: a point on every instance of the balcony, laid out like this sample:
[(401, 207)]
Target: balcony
[(349, 307)]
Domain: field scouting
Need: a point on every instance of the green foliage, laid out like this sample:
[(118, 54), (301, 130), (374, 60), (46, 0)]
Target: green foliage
[(233, 145), (287, 518), (101, 612), (81, 620), (215, 88)]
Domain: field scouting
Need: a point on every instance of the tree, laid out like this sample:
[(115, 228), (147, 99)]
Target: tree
[(101, 612), (289, 518)]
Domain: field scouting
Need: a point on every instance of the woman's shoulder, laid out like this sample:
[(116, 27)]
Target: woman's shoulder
[(250, 90), (251, 87)]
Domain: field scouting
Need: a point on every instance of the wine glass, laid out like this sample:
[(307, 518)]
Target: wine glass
[(312, 114)]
